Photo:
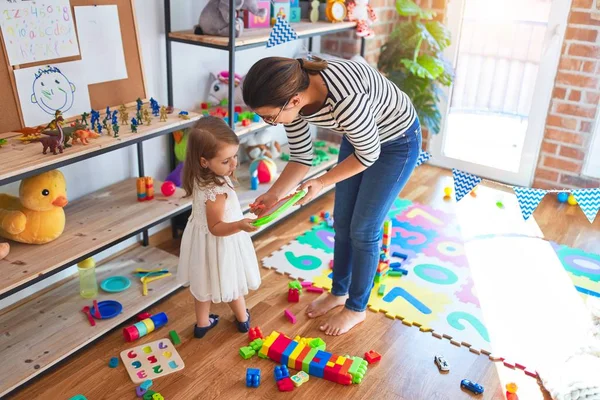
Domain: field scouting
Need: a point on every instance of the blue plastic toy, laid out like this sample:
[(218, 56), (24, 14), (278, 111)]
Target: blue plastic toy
[(114, 362), (146, 384), (281, 371), (471, 386), (252, 377), (563, 197)]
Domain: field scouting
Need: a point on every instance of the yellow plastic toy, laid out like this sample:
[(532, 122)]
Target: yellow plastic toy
[(572, 200), (37, 215)]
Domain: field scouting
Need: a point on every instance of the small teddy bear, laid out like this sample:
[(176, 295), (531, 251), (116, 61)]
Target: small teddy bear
[(361, 12)]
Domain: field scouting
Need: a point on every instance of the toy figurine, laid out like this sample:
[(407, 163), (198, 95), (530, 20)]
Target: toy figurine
[(114, 118), (116, 130), (146, 116), (84, 118), (314, 11), (55, 141), (108, 111), (154, 106), (139, 104), (133, 128), (2, 142), (82, 135), (361, 12), (108, 128), (163, 114), (99, 128)]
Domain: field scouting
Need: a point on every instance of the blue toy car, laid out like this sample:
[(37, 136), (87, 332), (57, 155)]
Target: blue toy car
[(471, 386)]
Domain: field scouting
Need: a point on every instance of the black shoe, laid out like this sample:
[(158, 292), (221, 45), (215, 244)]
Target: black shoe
[(244, 326), (200, 332)]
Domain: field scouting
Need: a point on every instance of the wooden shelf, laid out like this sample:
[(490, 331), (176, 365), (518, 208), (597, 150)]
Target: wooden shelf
[(257, 37), (253, 127), (247, 195), (45, 328), (94, 223), (20, 160)]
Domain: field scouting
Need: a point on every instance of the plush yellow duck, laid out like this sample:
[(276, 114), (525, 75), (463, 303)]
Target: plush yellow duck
[(37, 215)]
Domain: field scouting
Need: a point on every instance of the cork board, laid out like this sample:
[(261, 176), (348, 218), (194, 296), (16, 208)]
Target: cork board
[(101, 94)]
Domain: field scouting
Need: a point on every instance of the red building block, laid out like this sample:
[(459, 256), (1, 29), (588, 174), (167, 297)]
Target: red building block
[(289, 315), (237, 109), (293, 295), (285, 385), (255, 333), (372, 356), (246, 122), (314, 289)]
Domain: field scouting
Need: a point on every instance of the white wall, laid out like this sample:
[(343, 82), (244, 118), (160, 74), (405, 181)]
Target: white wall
[(592, 162), (191, 67)]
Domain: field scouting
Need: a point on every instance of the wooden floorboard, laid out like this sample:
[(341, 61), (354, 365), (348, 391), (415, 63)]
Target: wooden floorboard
[(214, 369)]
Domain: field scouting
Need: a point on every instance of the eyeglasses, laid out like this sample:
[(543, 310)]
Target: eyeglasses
[(273, 121)]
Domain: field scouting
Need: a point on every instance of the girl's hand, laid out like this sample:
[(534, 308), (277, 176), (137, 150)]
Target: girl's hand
[(263, 203), (314, 186), (246, 225)]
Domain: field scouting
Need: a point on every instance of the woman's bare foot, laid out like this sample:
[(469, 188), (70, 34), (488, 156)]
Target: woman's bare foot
[(343, 321), (323, 304)]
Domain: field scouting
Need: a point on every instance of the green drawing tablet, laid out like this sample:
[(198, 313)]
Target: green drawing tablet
[(280, 207)]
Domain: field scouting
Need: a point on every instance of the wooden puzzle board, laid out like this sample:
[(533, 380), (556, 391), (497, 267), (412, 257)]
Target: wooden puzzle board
[(101, 94), (151, 360)]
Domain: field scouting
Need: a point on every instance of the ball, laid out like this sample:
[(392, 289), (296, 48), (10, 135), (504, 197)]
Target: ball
[(265, 168), (499, 204), (447, 190), (167, 188), (571, 200), (562, 197)]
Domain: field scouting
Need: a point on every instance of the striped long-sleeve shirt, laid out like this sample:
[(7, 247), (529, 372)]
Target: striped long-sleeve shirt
[(362, 104)]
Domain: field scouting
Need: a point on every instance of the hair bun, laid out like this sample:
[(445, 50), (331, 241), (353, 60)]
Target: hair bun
[(301, 61)]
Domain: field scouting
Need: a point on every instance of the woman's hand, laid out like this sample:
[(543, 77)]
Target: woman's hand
[(263, 203), (246, 225), (314, 186)]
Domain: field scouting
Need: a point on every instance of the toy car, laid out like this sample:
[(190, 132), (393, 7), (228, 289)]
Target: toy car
[(471, 386), (441, 363)]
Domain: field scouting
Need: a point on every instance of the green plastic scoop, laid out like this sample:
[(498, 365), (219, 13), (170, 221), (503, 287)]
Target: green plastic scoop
[(282, 206)]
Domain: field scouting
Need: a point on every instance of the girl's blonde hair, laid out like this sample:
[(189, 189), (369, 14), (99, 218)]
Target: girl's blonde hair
[(204, 140), (273, 81)]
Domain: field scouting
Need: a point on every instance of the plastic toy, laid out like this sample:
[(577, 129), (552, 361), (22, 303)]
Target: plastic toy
[(289, 315), (255, 333), (175, 337), (300, 378), (562, 197), (499, 204), (254, 181), (140, 392), (115, 284), (253, 377), (114, 362), (151, 360), (511, 391), (141, 189), (318, 343), (78, 397), (441, 363), (285, 385), (282, 206), (167, 188), (124, 116), (53, 142), (293, 295), (447, 191), (147, 279), (295, 284), (314, 11), (265, 167), (305, 284), (86, 311), (107, 309), (246, 352), (302, 357), (471, 386), (335, 10), (262, 144), (149, 187), (146, 384), (144, 327), (361, 12), (285, 157), (381, 290), (175, 175), (163, 114), (37, 215), (572, 200), (372, 356), (315, 219), (333, 150), (314, 289), (82, 135), (281, 371), (399, 255)]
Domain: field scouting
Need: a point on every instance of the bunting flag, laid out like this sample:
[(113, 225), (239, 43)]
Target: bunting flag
[(589, 201), (423, 157), (281, 33), (464, 183), (528, 199)]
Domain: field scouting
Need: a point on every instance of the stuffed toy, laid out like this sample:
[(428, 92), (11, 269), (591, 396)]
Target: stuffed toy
[(219, 88), (4, 250), (361, 12), (37, 215), (214, 18), (262, 144)]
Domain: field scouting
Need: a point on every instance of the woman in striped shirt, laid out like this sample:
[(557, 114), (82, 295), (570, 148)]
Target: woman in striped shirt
[(380, 146)]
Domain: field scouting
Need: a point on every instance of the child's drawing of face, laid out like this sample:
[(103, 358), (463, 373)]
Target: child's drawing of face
[(52, 90)]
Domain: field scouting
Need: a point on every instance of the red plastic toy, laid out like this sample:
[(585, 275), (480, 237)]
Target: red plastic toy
[(293, 295), (372, 357), (255, 333), (289, 315), (285, 385), (246, 122), (168, 188), (314, 289), (238, 109)]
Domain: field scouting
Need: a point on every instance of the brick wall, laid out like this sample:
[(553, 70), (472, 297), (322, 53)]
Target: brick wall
[(570, 122), (347, 44)]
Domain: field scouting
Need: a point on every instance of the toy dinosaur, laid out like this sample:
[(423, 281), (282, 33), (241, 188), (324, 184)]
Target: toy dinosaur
[(52, 142), (67, 132), (83, 135)]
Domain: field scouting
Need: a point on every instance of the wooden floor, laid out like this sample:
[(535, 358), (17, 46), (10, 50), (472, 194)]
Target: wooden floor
[(214, 369)]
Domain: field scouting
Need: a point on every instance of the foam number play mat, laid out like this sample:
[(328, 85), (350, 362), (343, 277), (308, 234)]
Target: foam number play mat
[(437, 293), (151, 360)]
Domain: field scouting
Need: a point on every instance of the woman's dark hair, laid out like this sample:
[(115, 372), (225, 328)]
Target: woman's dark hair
[(273, 81)]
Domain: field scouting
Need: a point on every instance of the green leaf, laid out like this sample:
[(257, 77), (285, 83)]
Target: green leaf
[(434, 66), (417, 69), (439, 33), (408, 8)]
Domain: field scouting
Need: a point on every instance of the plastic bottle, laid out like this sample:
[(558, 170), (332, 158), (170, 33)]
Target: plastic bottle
[(88, 287)]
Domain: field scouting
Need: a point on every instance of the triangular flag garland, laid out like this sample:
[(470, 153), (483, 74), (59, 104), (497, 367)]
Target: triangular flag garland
[(464, 183), (281, 33), (423, 157), (528, 199), (589, 202)]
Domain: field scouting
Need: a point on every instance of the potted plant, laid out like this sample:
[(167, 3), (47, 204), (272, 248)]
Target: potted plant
[(413, 59)]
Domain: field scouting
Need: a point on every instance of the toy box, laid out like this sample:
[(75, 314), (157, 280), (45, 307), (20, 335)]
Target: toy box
[(295, 14), (280, 8), (254, 21)]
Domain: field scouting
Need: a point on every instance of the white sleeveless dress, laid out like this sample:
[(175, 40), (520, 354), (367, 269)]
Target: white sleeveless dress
[(217, 269)]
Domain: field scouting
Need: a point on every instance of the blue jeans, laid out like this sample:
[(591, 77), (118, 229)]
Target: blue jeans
[(361, 205)]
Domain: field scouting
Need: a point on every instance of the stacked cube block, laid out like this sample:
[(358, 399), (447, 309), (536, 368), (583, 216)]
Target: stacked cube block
[(384, 257)]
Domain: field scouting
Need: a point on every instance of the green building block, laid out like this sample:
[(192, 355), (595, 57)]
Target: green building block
[(307, 360), (358, 369), (148, 395), (379, 279), (295, 285), (224, 102), (381, 290), (318, 344), (320, 143), (261, 355), (175, 337), (285, 156), (256, 344), (247, 352), (333, 150), (395, 273)]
